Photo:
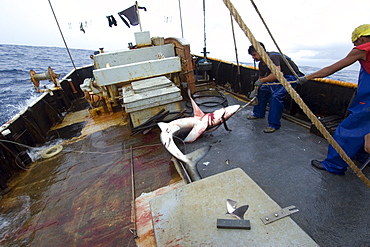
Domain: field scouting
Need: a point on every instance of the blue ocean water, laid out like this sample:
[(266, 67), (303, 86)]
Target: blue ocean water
[(16, 61), (346, 75)]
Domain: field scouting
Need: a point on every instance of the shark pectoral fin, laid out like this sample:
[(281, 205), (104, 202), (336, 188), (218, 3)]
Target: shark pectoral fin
[(239, 212), (196, 131), (194, 157)]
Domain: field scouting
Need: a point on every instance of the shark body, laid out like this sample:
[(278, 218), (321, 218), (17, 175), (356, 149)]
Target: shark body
[(199, 123)]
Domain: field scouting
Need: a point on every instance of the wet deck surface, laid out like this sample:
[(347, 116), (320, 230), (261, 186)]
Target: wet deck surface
[(82, 197), (334, 210)]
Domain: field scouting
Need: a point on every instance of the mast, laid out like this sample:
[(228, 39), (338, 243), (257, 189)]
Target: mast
[(138, 14), (204, 27)]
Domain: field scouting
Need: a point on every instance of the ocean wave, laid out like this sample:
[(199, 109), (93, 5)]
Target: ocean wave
[(16, 88)]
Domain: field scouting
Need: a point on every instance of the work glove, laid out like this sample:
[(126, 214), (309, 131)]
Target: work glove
[(258, 83), (253, 94), (302, 80)]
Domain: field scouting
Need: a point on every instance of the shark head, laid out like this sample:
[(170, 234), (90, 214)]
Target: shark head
[(165, 136), (163, 126), (168, 128), (230, 110), (167, 131)]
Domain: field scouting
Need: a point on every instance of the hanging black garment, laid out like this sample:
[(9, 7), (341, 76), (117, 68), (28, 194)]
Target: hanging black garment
[(124, 20), (131, 15), (82, 28), (111, 20)]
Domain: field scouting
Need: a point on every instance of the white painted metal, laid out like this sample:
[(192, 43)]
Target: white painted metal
[(151, 84), (142, 38), (148, 99), (145, 98), (137, 71), (141, 116), (133, 56)]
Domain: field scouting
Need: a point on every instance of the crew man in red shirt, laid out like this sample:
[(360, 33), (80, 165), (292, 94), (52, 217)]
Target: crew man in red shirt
[(351, 132)]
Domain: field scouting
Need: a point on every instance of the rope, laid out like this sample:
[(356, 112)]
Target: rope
[(272, 37), (134, 229), (294, 94), (61, 33), (236, 51), (182, 31)]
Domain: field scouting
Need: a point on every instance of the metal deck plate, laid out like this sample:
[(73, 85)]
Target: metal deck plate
[(188, 215)]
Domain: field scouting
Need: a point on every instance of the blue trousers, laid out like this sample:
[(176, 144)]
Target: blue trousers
[(274, 94), (351, 131)]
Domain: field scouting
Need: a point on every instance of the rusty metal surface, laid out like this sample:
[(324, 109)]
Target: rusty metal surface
[(82, 197)]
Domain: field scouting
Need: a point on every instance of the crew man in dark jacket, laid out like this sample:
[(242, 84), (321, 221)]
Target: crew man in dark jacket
[(274, 94)]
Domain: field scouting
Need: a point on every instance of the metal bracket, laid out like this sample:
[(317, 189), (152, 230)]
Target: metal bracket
[(279, 214)]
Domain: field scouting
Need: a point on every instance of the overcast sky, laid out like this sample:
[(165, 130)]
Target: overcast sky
[(314, 33)]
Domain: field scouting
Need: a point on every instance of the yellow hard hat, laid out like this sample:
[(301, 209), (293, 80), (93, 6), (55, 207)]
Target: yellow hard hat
[(360, 31)]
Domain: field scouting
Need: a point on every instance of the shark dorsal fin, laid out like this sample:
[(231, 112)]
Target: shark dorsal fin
[(196, 110), (234, 211)]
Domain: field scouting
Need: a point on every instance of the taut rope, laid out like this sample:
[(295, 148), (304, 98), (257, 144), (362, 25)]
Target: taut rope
[(293, 93), (61, 33)]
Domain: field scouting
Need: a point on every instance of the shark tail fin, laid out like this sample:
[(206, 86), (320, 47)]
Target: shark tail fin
[(194, 157)]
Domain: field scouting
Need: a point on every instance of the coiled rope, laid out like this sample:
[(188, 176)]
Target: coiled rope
[(293, 93)]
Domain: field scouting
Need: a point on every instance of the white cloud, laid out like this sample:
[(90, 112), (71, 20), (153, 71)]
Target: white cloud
[(312, 32)]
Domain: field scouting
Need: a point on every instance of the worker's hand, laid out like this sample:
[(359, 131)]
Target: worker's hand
[(257, 83), (253, 94), (367, 143), (302, 80)]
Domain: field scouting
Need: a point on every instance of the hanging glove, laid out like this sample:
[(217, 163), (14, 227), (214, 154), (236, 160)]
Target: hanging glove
[(258, 83), (302, 80)]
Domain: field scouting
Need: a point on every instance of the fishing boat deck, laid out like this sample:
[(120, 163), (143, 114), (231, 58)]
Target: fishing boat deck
[(333, 210), (82, 197)]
